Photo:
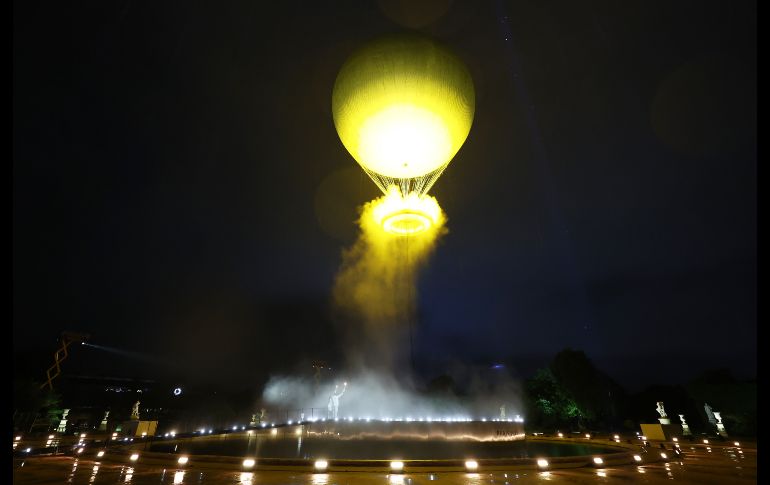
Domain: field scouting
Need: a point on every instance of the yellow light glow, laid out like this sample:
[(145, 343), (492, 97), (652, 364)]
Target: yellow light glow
[(403, 106), (542, 463), (248, 463), (407, 215), (182, 460), (404, 141), (396, 465), (321, 464), (471, 465), (134, 457)]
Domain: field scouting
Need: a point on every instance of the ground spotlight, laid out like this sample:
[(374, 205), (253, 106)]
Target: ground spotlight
[(637, 458), (598, 461), (321, 465), (471, 465), (134, 457), (248, 463), (100, 454), (182, 460), (542, 463), (397, 466)]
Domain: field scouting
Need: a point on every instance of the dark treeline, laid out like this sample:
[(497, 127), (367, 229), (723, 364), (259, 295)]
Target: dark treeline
[(572, 394)]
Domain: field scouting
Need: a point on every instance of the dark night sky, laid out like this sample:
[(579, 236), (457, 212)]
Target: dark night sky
[(179, 189)]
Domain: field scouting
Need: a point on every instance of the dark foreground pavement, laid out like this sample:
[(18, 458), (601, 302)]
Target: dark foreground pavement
[(721, 466)]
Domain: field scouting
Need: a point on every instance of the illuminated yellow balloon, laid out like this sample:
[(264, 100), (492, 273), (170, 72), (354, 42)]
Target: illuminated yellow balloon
[(403, 106)]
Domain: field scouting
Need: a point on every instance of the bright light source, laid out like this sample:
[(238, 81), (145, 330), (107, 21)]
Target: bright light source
[(321, 464), (298, 431), (588, 435), (182, 460), (663, 455), (471, 465), (737, 444), (706, 441), (28, 450), (542, 463), (83, 435), (18, 438), (598, 460), (674, 440), (179, 477), (100, 454), (80, 450), (643, 438), (618, 437), (397, 466), (134, 457), (274, 431), (561, 435), (50, 436), (114, 434), (248, 463), (637, 458)]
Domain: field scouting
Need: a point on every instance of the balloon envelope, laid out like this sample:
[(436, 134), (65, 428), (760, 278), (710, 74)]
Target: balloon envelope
[(403, 106)]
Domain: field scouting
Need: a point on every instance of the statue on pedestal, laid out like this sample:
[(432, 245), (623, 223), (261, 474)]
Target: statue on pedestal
[(685, 427), (663, 417), (135, 411), (502, 411), (720, 427), (334, 401), (63, 423), (103, 424)]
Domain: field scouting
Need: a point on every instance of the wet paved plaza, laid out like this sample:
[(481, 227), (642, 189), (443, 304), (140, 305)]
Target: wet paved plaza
[(720, 465)]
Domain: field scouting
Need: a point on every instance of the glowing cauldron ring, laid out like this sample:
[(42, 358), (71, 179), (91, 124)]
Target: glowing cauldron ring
[(422, 222)]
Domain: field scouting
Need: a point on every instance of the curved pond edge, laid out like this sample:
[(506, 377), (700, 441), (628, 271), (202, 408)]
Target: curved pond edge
[(626, 454)]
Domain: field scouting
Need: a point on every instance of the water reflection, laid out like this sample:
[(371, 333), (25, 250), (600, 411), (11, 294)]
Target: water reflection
[(247, 478), (320, 479), (179, 477), (473, 478), (129, 474), (72, 473), (397, 479), (93, 474)]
